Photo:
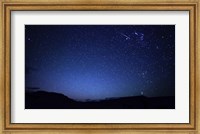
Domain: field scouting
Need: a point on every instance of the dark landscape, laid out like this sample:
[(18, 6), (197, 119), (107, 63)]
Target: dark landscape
[(52, 100), (99, 66)]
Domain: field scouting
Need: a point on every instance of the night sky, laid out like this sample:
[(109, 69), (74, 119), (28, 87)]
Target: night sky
[(101, 61)]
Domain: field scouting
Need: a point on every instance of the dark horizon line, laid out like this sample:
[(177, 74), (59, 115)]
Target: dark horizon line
[(92, 100)]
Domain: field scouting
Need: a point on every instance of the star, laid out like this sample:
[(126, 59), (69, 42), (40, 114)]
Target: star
[(126, 36)]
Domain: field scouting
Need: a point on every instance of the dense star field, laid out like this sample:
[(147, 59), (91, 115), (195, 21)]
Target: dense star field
[(101, 61)]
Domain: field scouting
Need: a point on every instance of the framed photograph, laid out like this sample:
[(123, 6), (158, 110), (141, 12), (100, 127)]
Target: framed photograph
[(90, 67)]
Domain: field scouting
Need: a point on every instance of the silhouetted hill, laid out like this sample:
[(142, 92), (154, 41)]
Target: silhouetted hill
[(44, 100), (50, 100)]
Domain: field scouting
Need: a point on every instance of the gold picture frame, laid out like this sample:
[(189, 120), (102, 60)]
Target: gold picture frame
[(142, 5)]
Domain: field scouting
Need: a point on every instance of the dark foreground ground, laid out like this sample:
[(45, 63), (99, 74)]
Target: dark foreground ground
[(49, 100)]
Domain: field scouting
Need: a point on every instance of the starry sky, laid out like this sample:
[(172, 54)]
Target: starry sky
[(101, 61)]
